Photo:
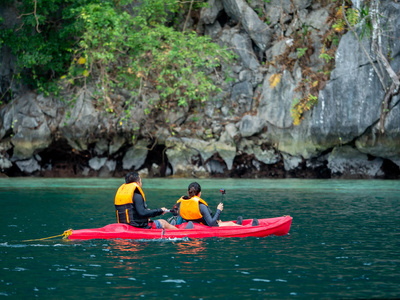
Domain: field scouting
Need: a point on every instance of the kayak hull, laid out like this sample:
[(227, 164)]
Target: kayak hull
[(272, 226)]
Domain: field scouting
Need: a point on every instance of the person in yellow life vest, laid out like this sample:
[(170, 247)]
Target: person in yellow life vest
[(193, 208), (131, 206)]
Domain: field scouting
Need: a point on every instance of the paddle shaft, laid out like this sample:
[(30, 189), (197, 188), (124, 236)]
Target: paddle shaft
[(223, 192)]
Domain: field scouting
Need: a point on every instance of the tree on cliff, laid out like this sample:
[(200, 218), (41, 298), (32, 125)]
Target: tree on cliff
[(114, 45)]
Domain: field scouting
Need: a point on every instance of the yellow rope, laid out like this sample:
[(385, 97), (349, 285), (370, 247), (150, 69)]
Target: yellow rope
[(65, 235)]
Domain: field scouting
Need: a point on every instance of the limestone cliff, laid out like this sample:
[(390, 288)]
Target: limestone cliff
[(248, 129)]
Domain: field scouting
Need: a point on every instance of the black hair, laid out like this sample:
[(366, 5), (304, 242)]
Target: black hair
[(194, 189), (132, 177)]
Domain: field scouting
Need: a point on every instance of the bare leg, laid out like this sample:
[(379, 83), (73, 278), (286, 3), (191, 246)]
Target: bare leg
[(228, 223), (166, 225)]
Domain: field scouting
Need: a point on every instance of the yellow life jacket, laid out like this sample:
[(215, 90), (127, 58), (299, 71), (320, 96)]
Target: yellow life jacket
[(125, 193), (189, 208)]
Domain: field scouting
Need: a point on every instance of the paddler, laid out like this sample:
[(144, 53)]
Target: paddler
[(193, 208), (131, 206)]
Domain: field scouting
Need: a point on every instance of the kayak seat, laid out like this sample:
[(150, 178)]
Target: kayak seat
[(255, 222), (189, 225)]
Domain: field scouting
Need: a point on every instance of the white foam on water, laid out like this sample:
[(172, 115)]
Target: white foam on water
[(174, 281)]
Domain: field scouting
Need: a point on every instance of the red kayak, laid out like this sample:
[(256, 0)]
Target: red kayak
[(272, 226)]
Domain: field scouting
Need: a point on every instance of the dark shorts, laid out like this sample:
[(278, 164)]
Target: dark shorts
[(155, 224)]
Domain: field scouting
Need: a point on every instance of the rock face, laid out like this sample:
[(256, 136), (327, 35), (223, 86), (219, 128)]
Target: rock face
[(259, 32), (247, 130)]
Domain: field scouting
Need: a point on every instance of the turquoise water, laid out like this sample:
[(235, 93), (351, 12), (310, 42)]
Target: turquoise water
[(344, 242)]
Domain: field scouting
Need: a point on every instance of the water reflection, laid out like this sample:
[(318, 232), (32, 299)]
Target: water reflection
[(192, 247), (127, 255), (125, 246)]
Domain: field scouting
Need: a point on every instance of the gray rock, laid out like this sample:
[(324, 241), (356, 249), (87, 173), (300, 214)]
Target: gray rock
[(303, 18), (245, 75), (111, 165), (215, 167), (213, 30), (242, 94), (144, 173), (28, 166), (81, 126), (231, 130), (210, 13), (291, 162), (259, 32), (287, 6), (256, 164), (181, 152), (317, 19), (96, 163), (273, 14), (116, 144), (101, 147), (316, 162), (350, 56), (85, 171), (349, 162), (346, 108), (4, 163), (250, 125), (383, 145), (258, 78), (216, 128), (135, 156), (227, 152), (246, 146), (28, 141), (278, 49), (268, 156), (276, 102), (177, 116), (48, 105), (209, 109), (155, 170), (107, 170), (241, 44), (25, 118), (162, 135), (225, 110)]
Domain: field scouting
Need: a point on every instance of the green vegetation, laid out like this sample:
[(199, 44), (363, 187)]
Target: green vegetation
[(299, 106), (301, 52), (114, 44)]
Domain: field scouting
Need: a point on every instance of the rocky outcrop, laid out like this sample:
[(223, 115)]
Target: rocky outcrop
[(247, 130)]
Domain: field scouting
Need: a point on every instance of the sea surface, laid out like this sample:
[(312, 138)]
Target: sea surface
[(344, 242)]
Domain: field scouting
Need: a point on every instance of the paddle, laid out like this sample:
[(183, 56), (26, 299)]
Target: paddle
[(223, 192)]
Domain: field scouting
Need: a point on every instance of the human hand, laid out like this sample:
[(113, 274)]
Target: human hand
[(164, 210), (220, 206)]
